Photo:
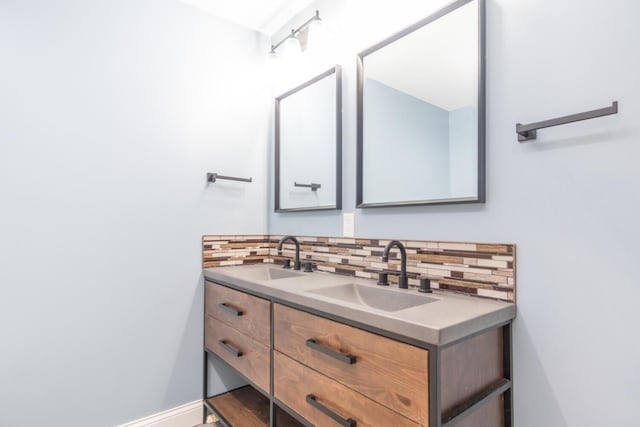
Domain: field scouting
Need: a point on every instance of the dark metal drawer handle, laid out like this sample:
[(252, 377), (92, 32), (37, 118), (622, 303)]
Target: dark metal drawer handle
[(346, 422), (346, 358), (231, 349), (230, 309)]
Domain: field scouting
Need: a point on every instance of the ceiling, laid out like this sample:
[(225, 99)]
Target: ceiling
[(265, 16)]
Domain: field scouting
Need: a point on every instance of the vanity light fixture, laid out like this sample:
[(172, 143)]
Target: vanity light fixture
[(291, 47), (291, 44), (315, 33)]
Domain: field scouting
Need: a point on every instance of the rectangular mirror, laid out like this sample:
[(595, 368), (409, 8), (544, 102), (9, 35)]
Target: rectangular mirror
[(308, 145), (421, 112)]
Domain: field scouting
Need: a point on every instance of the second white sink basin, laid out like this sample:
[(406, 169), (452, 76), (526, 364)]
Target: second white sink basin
[(374, 297), (280, 273)]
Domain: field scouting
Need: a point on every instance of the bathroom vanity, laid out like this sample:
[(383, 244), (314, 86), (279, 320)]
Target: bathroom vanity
[(334, 347), (326, 349)]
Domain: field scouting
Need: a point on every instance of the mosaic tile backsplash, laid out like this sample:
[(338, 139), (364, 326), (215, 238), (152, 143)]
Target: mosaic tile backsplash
[(478, 269)]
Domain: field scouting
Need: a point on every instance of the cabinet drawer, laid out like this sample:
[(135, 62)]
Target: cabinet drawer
[(316, 397), (245, 354), (389, 372), (246, 313)]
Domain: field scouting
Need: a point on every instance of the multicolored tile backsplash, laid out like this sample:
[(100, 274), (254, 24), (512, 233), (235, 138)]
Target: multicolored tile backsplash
[(477, 269)]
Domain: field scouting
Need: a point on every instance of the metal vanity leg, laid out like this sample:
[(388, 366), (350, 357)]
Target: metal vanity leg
[(205, 375), (272, 409), (435, 410), (205, 357), (508, 369)]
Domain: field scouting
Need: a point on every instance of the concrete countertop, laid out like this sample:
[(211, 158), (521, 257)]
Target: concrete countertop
[(440, 322)]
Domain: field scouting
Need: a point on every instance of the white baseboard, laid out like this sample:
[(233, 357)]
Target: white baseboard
[(187, 415)]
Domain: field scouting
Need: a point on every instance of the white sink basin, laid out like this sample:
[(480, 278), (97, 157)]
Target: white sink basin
[(374, 297), (282, 273)]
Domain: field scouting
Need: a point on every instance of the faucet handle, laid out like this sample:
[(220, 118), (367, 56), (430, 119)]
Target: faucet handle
[(425, 286), (287, 263), (403, 282), (308, 267), (383, 279)]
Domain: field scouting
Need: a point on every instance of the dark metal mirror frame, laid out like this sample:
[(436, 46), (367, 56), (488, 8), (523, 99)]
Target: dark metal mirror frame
[(481, 196), (337, 70)]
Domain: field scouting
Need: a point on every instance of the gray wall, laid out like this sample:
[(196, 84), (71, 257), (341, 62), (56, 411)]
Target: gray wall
[(111, 113), (407, 141), (569, 200), (463, 151)]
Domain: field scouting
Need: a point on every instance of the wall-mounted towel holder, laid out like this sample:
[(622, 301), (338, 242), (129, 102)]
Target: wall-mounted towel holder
[(213, 177), (312, 186), (529, 132)]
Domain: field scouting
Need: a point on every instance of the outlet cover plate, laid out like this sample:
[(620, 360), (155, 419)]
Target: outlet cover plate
[(348, 225)]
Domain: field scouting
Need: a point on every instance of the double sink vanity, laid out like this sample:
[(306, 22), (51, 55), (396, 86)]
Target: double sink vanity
[(324, 349), (336, 332)]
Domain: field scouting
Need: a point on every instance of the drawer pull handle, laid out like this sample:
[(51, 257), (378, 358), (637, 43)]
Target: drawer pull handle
[(230, 309), (231, 349), (345, 422), (349, 359)]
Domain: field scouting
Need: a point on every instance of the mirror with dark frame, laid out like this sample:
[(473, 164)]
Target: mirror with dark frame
[(308, 145), (421, 112)]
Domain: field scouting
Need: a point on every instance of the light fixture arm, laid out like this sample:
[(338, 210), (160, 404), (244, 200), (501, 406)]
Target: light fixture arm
[(295, 32)]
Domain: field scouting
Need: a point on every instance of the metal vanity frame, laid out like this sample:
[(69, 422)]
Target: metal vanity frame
[(436, 417)]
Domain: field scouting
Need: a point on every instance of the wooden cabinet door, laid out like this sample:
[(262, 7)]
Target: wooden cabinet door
[(246, 313), (325, 402), (250, 357), (392, 373)]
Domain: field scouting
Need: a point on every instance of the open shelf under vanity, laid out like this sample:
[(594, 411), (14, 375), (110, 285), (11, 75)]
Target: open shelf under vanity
[(247, 407)]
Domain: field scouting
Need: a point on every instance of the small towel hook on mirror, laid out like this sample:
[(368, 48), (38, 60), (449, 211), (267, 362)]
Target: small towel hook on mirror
[(213, 177), (312, 186), (529, 132)]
